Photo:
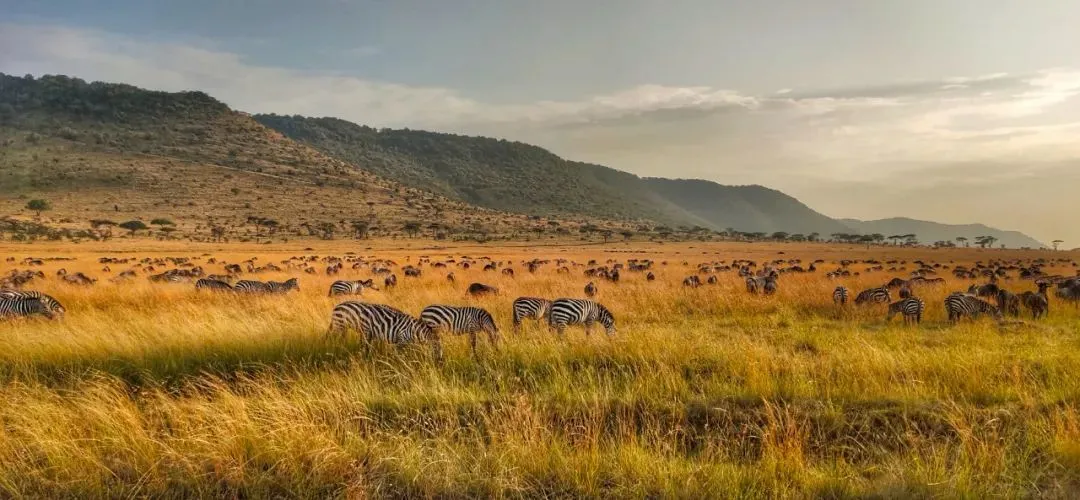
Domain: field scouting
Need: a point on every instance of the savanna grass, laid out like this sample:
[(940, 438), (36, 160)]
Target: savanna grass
[(156, 390)]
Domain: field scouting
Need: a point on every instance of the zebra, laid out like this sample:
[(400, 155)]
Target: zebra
[(911, 308), (344, 287), (381, 322), (22, 307), (840, 295), (591, 289), (752, 285), (959, 305), (54, 305), (530, 307), (580, 312), (461, 320), (250, 286), (213, 285), (480, 289), (692, 281), (878, 295)]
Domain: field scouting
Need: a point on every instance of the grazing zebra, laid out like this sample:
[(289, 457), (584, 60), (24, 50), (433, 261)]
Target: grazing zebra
[(840, 295), (530, 307), (580, 312), (752, 285), (54, 305), (879, 295), (911, 308), (213, 285), (22, 307), (692, 281), (381, 322), (250, 286), (390, 281), (649, 276), (1008, 302), (450, 278), (1037, 302), (345, 287), (591, 290), (959, 305), (461, 320)]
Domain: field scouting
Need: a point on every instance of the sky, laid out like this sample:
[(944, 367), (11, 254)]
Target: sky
[(956, 111)]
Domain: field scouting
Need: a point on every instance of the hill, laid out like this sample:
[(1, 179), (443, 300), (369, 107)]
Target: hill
[(755, 207), (929, 232), (113, 152)]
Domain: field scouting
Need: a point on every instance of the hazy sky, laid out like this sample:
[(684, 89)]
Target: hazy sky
[(950, 110)]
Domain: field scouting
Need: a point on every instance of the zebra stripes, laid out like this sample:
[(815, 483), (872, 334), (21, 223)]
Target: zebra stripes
[(344, 287), (840, 295), (269, 287), (959, 305), (24, 306), (583, 312), (461, 320), (531, 308), (377, 322), (213, 285), (911, 308), (878, 295), (52, 304)]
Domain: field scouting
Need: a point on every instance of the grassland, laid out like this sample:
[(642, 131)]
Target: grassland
[(156, 390)]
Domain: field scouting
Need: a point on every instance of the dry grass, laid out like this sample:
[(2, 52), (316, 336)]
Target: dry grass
[(156, 390)]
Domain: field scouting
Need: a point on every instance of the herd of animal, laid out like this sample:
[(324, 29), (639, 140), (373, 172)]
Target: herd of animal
[(386, 323)]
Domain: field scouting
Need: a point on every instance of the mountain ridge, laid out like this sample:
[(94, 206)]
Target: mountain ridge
[(409, 173), (930, 231)]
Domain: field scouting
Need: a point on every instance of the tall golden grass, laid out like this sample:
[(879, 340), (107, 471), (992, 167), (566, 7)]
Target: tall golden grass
[(157, 390)]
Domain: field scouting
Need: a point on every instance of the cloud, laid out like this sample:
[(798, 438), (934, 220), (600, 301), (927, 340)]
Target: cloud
[(974, 136)]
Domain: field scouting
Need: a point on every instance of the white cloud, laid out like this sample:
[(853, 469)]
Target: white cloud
[(802, 142)]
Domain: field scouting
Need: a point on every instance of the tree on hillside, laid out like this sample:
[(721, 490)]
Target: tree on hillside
[(133, 225), (606, 234), (1056, 243), (326, 229), (412, 228), (626, 234), (162, 222), (217, 233), (39, 206), (360, 229)]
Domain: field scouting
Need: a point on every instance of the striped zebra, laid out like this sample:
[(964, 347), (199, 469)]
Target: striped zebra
[(23, 307), (840, 295), (959, 305), (251, 286), (461, 320), (753, 285), (345, 287), (531, 308), (213, 285), (878, 295), (591, 289), (54, 305), (377, 322), (580, 312), (911, 308)]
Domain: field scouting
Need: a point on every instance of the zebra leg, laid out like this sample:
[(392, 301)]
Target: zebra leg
[(472, 342)]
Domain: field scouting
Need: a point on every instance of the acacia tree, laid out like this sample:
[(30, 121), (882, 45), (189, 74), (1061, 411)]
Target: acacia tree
[(133, 225), (962, 240), (39, 206), (1056, 243), (412, 228)]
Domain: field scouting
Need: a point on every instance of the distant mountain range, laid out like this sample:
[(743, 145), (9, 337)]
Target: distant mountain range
[(393, 167), (929, 232)]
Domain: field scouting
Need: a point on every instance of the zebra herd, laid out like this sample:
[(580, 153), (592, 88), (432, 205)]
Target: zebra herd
[(959, 305), (379, 322)]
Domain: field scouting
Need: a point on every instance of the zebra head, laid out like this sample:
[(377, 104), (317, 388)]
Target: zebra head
[(487, 323), (290, 284), (607, 319)]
